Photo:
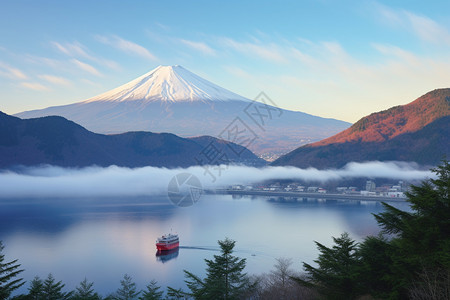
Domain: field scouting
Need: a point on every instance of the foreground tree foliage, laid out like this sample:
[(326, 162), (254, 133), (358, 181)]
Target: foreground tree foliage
[(431, 285), (8, 275), (421, 242), (85, 291), (36, 289), (175, 294), (374, 266), (411, 260), (153, 292), (336, 276), (279, 284), (53, 290), (224, 276), (127, 290)]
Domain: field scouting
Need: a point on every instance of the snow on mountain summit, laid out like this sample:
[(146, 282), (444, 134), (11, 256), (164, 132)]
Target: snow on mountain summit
[(171, 84)]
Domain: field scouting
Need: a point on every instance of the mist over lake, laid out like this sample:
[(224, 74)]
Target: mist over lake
[(52, 181)]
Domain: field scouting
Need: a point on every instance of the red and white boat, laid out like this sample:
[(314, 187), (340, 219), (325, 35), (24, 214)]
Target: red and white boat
[(167, 242)]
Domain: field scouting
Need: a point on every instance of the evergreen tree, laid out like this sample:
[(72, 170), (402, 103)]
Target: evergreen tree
[(152, 292), (36, 289), (375, 265), (20, 297), (195, 284), (127, 291), (421, 238), (8, 275), (176, 294), (85, 291), (52, 290), (336, 275), (224, 279)]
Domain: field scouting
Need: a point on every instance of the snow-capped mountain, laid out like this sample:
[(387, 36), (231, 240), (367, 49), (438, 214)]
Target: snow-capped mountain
[(173, 99), (168, 83)]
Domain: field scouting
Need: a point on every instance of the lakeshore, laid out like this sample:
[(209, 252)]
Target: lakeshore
[(334, 196)]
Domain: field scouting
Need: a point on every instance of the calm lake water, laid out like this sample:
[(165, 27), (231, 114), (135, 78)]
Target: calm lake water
[(102, 239)]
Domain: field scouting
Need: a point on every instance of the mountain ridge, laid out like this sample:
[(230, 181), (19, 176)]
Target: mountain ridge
[(397, 120), (418, 132), (57, 141)]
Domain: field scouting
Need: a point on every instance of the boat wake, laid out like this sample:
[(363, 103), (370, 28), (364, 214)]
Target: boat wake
[(200, 248), (217, 249)]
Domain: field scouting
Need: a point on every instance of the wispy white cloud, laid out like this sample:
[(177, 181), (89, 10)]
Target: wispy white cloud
[(49, 62), (324, 76), (34, 86), (238, 72), (303, 57), (270, 51), (126, 46), (78, 50), (199, 46), (387, 14), (428, 29), (423, 27), (109, 64), (398, 53), (162, 26), (72, 49), (90, 82), (55, 80), (86, 67), (11, 72)]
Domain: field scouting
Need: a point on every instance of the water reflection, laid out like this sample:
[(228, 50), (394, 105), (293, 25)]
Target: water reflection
[(318, 200), (166, 255), (54, 215), (102, 239)]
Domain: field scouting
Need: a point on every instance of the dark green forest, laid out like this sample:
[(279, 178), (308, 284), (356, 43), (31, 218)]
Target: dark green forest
[(409, 259)]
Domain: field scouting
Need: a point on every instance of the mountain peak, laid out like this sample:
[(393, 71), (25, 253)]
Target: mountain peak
[(168, 84)]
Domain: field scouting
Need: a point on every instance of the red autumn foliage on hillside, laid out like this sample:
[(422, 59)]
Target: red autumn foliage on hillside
[(387, 124), (417, 132)]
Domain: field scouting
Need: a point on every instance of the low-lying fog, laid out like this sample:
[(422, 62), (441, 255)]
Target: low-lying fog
[(94, 181)]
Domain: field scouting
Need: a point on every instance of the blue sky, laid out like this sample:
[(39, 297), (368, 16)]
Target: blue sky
[(338, 59)]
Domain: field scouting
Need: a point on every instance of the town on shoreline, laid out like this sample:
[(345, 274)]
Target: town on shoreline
[(384, 192)]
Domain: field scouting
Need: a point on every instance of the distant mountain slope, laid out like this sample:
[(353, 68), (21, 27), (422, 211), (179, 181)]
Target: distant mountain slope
[(418, 131), (384, 125), (173, 99), (57, 141)]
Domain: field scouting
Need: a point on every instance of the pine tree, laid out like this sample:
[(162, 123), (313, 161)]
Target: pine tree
[(375, 264), (176, 294), (224, 280), (152, 292), (85, 291), (421, 242), (36, 289), (8, 274), (127, 291), (336, 276), (52, 290)]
